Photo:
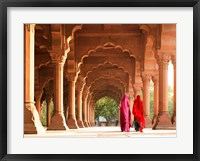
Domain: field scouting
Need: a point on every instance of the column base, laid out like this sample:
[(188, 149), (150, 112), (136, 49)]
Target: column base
[(85, 124), (72, 124), (93, 124), (57, 122), (148, 121), (30, 129), (32, 126), (154, 119), (173, 120), (163, 121), (80, 124), (89, 125)]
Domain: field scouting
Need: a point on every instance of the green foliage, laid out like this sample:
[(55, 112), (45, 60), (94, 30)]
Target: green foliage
[(170, 100), (44, 113), (107, 108)]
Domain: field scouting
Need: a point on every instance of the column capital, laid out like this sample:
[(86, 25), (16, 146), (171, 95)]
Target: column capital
[(38, 94), (30, 27), (80, 84), (146, 77), (155, 78), (57, 56), (136, 88), (71, 77), (163, 57), (173, 58)]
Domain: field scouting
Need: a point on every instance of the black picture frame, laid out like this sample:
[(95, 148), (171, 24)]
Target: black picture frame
[(4, 4)]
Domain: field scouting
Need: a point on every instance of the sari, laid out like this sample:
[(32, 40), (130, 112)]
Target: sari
[(125, 114), (139, 120)]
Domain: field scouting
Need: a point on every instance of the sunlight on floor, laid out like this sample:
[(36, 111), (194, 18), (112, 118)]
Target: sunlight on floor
[(99, 132)]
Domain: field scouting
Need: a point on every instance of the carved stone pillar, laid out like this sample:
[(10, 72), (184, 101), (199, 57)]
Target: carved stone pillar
[(163, 120), (136, 89), (79, 109), (92, 116), (32, 124), (131, 100), (58, 120), (155, 104), (146, 99), (88, 111), (66, 106), (48, 101), (85, 111), (173, 119), (71, 122), (38, 97)]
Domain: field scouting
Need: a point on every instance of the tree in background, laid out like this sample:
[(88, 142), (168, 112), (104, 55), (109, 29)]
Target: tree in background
[(108, 108), (44, 113)]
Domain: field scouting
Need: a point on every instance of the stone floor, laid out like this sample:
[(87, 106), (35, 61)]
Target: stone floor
[(104, 132)]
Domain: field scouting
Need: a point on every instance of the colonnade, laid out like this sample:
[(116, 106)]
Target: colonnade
[(84, 101)]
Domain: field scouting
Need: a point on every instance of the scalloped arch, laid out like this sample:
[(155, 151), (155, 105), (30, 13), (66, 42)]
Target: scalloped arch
[(102, 65), (105, 46)]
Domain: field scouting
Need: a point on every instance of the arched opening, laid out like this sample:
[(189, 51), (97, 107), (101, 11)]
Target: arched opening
[(44, 112), (106, 112)]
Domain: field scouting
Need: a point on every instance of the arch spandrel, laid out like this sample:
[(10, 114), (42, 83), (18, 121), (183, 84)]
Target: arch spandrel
[(108, 80), (103, 66), (114, 73), (126, 63), (103, 82)]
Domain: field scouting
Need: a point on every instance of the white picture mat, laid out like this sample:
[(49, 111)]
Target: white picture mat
[(182, 144)]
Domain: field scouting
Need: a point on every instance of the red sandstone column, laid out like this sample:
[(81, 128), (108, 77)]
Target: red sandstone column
[(71, 122), (66, 106), (32, 124), (58, 120), (48, 101), (37, 103), (85, 112), (146, 100), (155, 81), (163, 120), (174, 113), (119, 114), (79, 109), (136, 88), (131, 100), (88, 111), (92, 116)]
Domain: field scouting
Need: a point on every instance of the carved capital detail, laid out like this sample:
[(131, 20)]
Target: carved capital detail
[(162, 58), (58, 56), (71, 77), (136, 88), (155, 78), (173, 58), (146, 77), (27, 27)]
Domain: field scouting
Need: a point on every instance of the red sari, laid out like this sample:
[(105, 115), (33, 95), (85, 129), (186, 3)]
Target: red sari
[(125, 114), (138, 112)]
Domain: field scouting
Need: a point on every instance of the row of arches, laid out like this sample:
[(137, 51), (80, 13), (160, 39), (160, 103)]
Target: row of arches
[(73, 70)]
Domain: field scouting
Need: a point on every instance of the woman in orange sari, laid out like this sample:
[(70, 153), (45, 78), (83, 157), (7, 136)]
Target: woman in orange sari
[(139, 121)]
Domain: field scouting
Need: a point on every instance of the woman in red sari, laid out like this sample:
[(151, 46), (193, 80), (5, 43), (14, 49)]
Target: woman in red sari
[(139, 121), (125, 114)]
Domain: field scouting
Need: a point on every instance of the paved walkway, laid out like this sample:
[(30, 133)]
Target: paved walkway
[(106, 132)]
